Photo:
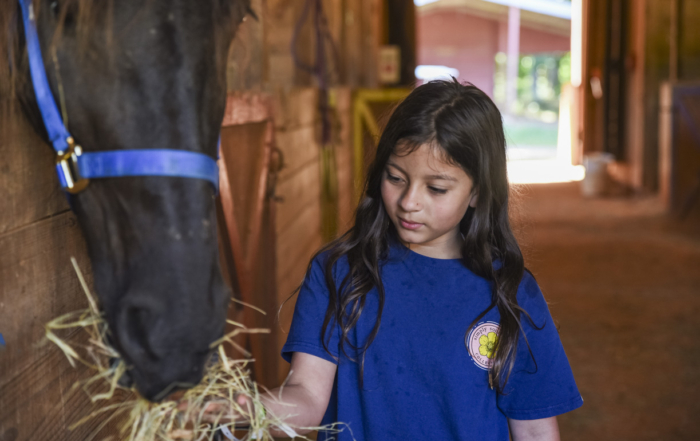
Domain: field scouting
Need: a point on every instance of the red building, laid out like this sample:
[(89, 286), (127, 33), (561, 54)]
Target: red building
[(467, 34)]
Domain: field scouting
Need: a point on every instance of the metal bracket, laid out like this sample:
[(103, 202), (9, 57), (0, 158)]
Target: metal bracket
[(67, 168)]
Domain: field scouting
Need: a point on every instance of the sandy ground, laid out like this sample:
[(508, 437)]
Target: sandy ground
[(623, 282)]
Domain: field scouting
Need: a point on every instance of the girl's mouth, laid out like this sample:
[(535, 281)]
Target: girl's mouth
[(409, 225)]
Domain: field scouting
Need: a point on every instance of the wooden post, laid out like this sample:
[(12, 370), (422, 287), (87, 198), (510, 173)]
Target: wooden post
[(673, 42), (513, 57)]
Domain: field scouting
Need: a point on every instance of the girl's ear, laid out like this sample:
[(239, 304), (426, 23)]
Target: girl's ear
[(472, 201)]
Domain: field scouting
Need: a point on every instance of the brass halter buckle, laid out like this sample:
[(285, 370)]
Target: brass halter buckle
[(67, 165)]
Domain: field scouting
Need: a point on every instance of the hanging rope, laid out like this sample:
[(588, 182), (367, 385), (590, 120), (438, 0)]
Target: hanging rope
[(320, 70)]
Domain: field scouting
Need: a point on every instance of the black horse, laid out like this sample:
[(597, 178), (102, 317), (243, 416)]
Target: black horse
[(142, 74)]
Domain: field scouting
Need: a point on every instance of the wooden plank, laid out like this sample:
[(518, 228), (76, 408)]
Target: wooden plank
[(280, 22), (295, 238), (299, 147), (246, 157), (286, 283), (27, 173), (41, 402), (280, 69), (372, 15), (282, 17), (685, 190), (246, 61), (344, 159), (39, 284), (291, 276), (345, 200), (352, 48), (245, 108), (298, 192), (265, 287), (248, 138), (295, 108), (398, 26), (302, 228)]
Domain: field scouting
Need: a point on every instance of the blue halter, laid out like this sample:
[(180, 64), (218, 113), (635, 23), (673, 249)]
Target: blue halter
[(76, 167)]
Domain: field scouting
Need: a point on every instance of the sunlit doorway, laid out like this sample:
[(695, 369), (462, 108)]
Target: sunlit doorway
[(525, 54)]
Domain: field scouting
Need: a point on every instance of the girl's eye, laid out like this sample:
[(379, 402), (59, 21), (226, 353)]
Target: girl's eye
[(392, 178), (437, 190)]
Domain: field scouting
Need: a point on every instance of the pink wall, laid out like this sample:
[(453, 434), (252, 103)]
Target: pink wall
[(469, 44), (533, 41), (461, 41)]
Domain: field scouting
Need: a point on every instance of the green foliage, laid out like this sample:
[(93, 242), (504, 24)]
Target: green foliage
[(540, 77)]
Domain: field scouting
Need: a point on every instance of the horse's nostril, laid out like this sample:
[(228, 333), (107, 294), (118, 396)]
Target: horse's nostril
[(125, 379), (135, 323)]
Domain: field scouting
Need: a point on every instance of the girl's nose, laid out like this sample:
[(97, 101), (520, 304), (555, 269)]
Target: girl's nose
[(410, 200)]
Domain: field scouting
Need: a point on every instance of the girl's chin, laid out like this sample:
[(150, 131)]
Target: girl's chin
[(411, 237)]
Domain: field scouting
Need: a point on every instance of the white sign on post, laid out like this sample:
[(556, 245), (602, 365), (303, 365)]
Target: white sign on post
[(389, 64)]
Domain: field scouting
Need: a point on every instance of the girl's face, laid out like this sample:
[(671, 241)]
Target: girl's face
[(426, 198)]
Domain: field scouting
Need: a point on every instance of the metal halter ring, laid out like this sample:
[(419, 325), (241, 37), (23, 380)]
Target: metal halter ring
[(68, 170)]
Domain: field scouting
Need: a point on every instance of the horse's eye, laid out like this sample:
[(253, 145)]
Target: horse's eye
[(68, 15)]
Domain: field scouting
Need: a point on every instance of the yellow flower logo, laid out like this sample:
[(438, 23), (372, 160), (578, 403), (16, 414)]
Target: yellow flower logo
[(488, 344)]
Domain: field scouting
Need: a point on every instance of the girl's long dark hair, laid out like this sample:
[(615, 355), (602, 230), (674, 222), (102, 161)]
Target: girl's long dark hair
[(465, 126)]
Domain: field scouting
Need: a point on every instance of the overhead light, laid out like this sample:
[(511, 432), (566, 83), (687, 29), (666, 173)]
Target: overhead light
[(423, 2), (428, 72)]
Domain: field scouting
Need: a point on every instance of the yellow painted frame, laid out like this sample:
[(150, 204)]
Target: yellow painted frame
[(362, 117)]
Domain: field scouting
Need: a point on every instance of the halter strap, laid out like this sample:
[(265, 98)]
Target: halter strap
[(75, 167), (47, 105), (147, 163)]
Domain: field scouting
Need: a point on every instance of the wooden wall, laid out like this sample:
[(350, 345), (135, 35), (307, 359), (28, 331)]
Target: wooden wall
[(647, 66), (38, 235), (261, 58), (299, 207), (355, 29)]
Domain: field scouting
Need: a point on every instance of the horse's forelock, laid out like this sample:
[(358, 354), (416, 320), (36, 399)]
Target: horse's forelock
[(83, 15), (11, 72)]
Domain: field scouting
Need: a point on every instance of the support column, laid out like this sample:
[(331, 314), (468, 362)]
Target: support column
[(513, 57), (575, 154), (673, 42)]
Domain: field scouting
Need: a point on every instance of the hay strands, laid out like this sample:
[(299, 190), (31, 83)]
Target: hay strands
[(224, 380)]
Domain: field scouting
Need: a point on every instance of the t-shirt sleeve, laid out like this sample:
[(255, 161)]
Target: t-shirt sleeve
[(312, 302), (543, 387)]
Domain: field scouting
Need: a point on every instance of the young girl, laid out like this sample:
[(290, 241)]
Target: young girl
[(420, 322)]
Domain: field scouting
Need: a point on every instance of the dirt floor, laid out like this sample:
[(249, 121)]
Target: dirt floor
[(623, 281)]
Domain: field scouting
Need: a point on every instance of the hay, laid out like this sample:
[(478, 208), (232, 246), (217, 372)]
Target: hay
[(223, 381)]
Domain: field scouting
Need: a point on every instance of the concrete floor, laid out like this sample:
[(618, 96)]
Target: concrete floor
[(623, 282)]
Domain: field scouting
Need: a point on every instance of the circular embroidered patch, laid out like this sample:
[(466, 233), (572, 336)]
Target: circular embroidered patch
[(482, 343)]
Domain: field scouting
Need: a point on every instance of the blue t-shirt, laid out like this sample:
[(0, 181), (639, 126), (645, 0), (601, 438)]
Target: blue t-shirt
[(423, 377)]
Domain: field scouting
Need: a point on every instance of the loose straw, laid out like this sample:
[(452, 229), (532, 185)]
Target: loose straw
[(224, 380)]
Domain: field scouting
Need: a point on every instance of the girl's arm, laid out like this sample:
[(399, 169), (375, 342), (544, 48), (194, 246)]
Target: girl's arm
[(305, 395), (302, 401), (545, 429)]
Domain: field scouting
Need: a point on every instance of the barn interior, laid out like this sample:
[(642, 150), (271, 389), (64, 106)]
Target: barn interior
[(601, 106)]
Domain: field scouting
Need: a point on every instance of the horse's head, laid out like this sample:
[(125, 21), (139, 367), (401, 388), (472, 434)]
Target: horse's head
[(151, 74)]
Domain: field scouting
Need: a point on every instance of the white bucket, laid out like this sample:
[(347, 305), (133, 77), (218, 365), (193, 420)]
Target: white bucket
[(596, 180)]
